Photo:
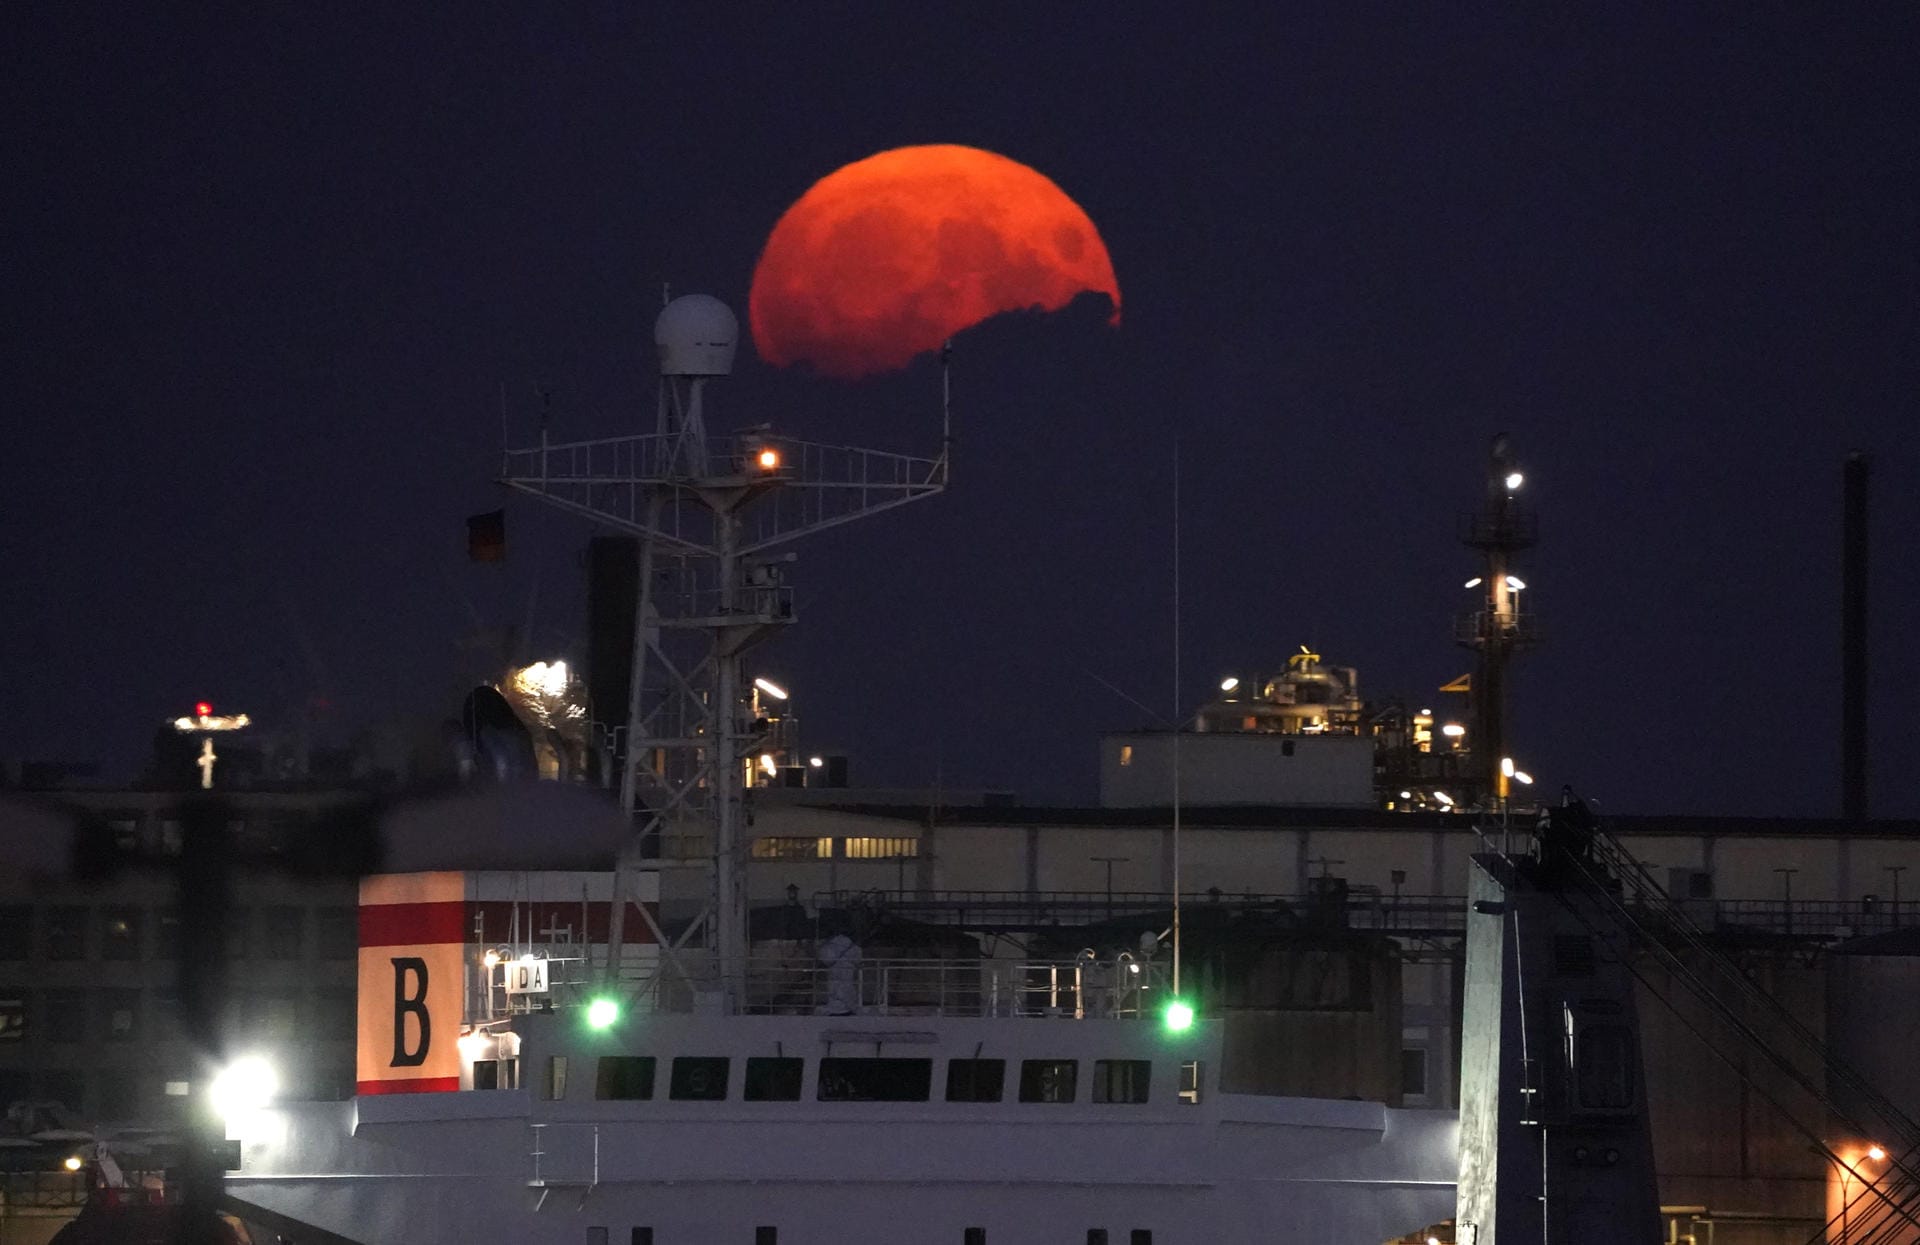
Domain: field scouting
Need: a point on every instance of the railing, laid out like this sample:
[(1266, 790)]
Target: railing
[(1359, 908), (1077, 989), (818, 485)]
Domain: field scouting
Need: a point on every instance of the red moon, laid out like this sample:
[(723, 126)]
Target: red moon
[(888, 257)]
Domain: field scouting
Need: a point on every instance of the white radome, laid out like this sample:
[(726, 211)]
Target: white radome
[(697, 335)]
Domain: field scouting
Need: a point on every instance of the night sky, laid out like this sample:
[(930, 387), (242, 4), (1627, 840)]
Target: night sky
[(270, 269)]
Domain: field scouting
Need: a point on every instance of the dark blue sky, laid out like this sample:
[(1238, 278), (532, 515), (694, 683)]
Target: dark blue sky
[(269, 268)]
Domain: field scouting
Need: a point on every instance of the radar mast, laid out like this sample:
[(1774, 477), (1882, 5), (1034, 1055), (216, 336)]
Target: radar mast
[(711, 512)]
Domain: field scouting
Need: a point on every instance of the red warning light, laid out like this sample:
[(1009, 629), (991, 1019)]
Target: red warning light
[(202, 708)]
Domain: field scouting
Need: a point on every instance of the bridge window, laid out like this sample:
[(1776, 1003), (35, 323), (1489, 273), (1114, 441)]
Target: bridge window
[(699, 1078), (555, 1088), (1048, 1080), (1121, 1080), (875, 1080), (976, 1080), (624, 1077), (774, 1080)]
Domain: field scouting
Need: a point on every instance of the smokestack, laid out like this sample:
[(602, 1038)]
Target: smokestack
[(1853, 639)]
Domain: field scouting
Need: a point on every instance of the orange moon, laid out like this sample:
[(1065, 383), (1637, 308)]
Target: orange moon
[(886, 258)]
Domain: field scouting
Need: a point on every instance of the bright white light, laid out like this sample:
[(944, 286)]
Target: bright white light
[(213, 722), (766, 763), (73, 1163), (1133, 968), (1521, 776), (1444, 798), (491, 959), (816, 762), (1229, 683), (1514, 480), (247, 1084), (1472, 583), (472, 1046), (1506, 766), (1515, 582), (771, 688), (544, 678), (1406, 795), (1453, 730), (1876, 1153)]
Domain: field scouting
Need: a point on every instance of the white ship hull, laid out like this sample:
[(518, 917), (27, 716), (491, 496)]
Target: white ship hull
[(515, 1165)]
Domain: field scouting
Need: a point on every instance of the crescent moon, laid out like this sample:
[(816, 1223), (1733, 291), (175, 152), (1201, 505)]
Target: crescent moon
[(886, 258)]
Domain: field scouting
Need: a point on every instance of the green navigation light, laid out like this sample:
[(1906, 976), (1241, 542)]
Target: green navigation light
[(601, 1013), (1179, 1016)]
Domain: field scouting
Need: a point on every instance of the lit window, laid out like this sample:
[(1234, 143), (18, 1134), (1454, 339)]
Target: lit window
[(881, 849), (1126, 754), (778, 848)]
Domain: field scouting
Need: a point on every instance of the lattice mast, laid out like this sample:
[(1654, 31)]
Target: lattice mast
[(1499, 530), (711, 512)]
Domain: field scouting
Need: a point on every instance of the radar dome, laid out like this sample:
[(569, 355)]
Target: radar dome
[(696, 334)]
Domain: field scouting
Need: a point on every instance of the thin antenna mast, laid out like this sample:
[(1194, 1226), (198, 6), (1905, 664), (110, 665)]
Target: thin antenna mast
[(1176, 715)]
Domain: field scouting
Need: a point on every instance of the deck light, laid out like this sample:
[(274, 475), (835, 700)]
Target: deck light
[(1516, 583), (771, 688), (768, 458), (1514, 480), (1179, 1016), (1229, 683), (1453, 730), (1472, 583), (1444, 798), (245, 1085), (1876, 1153), (816, 762), (601, 1013), (73, 1163)]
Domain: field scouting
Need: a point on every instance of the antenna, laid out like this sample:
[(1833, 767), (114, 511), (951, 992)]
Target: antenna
[(1176, 715)]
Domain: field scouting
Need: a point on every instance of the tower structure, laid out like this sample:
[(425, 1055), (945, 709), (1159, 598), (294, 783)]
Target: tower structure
[(1499, 531), (713, 513)]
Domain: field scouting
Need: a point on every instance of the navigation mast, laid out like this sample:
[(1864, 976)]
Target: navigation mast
[(711, 512)]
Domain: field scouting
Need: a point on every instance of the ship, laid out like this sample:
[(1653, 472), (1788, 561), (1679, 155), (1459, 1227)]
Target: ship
[(540, 1058)]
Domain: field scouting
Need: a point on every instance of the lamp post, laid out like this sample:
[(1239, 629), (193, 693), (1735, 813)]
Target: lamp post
[(1847, 1171)]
